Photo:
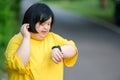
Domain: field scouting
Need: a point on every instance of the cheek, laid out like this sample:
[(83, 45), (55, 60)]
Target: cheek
[(49, 27), (37, 28)]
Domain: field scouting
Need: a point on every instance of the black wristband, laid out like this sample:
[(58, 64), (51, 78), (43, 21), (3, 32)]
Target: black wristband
[(57, 47)]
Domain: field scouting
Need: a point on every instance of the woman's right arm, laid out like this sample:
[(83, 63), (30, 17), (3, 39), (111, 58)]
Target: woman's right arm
[(24, 49)]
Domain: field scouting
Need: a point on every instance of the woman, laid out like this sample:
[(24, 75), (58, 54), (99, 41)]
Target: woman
[(36, 53)]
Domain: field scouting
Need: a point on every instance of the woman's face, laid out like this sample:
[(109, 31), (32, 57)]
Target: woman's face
[(44, 28)]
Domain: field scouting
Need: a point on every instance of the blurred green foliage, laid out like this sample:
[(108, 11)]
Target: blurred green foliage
[(62, 0), (9, 12), (89, 8)]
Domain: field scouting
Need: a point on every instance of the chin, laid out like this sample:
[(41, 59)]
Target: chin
[(42, 37)]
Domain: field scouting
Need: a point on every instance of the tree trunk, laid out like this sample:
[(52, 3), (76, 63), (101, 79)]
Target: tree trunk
[(104, 4)]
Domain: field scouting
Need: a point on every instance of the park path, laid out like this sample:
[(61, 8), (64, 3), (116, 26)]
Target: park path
[(98, 44)]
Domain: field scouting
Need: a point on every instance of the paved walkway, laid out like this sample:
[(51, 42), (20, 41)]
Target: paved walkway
[(98, 43)]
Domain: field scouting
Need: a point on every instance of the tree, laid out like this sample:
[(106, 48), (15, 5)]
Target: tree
[(117, 12), (104, 3)]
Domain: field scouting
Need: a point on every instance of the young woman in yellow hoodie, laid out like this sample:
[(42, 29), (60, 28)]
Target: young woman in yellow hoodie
[(37, 53)]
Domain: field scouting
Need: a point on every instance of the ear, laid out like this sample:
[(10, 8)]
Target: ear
[(37, 27)]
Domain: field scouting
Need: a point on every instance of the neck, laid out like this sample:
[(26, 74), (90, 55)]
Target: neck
[(36, 36)]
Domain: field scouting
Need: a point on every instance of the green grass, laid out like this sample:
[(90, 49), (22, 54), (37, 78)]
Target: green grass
[(89, 8)]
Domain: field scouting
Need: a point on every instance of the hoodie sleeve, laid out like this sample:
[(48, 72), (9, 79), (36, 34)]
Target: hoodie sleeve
[(12, 60), (69, 62)]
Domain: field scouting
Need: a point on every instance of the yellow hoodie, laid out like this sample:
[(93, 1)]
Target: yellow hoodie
[(40, 66)]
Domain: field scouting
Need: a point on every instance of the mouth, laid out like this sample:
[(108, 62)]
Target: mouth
[(44, 32)]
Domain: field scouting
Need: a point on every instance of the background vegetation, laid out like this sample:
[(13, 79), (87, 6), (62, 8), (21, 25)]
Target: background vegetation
[(100, 9), (8, 25)]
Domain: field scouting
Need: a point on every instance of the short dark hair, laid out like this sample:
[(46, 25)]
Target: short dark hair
[(38, 12)]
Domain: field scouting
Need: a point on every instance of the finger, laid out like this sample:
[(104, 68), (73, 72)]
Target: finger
[(58, 54), (23, 26), (55, 60), (27, 26)]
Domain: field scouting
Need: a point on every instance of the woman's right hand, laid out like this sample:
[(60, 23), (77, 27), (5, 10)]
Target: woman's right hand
[(24, 31), (56, 55)]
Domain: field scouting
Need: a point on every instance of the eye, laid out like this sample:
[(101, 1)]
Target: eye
[(42, 24), (49, 23)]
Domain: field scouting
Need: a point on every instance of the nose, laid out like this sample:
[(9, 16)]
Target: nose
[(45, 26)]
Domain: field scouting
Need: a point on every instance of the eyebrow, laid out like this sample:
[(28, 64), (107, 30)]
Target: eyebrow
[(47, 21)]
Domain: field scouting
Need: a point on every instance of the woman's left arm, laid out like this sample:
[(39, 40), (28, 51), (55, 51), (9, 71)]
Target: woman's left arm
[(68, 51)]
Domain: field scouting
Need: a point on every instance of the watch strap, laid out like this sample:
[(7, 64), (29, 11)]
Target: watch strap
[(57, 47)]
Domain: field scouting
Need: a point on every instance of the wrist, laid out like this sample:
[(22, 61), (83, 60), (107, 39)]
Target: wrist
[(57, 47), (27, 38)]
